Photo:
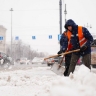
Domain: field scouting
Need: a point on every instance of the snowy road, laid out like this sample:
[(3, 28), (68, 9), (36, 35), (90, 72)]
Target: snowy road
[(39, 80)]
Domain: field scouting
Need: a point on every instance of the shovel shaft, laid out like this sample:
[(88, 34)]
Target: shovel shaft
[(62, 54), (62, 59)]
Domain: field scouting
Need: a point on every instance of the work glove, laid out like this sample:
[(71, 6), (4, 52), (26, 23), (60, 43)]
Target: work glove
[(60, 52), (83, 48)]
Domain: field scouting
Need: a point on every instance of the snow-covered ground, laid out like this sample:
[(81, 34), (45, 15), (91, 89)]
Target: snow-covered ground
[(39, 80)]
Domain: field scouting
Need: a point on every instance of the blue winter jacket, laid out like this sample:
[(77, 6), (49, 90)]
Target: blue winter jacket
[(75, 40), (63, 42)]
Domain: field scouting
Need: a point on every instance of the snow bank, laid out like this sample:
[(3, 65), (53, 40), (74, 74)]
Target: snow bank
[(41, 81), (81, 83)]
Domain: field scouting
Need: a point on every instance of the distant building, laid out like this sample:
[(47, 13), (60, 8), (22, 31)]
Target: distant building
[(94, 36), (2, 39)]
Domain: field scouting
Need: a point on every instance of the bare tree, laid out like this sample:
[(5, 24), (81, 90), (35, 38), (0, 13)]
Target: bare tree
[(19, 49)]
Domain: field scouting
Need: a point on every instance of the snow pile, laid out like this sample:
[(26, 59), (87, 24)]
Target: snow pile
[(81, 83), (41, 81), (35, 76)]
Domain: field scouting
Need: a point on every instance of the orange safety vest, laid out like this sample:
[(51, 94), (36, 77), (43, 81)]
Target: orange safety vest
[(69, 44), (82, 39)]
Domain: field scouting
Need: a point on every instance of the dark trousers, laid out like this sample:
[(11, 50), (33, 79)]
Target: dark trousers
[(67, 63), (86, 59)]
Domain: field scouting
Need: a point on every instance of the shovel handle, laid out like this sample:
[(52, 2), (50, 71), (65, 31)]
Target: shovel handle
[(62, 59), (62, 54)]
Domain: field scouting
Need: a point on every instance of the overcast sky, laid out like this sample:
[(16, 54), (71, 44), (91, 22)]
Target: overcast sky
[(40, 18)]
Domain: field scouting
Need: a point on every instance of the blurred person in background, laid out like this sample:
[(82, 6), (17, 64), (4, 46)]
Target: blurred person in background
[(65, 46)]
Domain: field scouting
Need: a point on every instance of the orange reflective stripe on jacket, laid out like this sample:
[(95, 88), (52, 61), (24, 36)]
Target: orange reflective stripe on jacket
[(69, 47), (82, 39), (69, 44)]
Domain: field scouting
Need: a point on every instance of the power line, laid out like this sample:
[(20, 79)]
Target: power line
[(32, 10)]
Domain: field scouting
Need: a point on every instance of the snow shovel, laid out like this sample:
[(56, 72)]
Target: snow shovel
[(58, 68), (62, 54)]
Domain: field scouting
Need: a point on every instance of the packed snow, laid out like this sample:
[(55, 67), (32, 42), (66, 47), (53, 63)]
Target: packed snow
[(41, 81)]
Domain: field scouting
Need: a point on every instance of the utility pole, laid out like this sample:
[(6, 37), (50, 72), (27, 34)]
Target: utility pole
[(11, 30), (65, 12), (60, 10)]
